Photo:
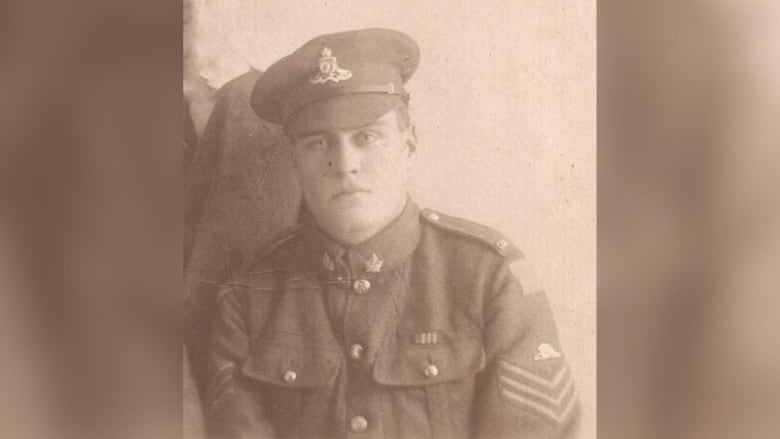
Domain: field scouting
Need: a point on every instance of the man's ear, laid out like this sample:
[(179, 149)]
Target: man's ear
[(410, 136)]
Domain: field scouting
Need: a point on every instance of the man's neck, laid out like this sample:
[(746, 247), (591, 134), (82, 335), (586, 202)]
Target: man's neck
[(359, 235), (356, 237)]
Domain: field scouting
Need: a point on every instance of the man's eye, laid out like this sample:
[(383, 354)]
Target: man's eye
[(316, 144), (366, 137)]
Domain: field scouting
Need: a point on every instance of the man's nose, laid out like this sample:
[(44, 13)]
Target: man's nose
[(345, 158)]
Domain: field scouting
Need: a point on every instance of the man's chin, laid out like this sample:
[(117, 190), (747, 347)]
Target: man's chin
[(350, 216), (347, 216)]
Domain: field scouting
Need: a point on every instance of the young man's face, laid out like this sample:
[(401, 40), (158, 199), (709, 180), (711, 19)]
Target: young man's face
[(355, 180)]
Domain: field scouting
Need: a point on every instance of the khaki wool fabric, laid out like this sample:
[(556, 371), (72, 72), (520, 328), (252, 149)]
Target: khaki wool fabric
[(422, 331)]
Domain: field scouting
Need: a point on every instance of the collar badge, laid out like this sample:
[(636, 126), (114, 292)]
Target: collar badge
[(374, 264), (329, 69), (328, 263)]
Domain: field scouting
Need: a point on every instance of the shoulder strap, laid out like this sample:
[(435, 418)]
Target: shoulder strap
[(477, 232)]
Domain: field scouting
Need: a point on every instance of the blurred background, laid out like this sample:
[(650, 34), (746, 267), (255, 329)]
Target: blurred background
[(689, 154), (688, 229)]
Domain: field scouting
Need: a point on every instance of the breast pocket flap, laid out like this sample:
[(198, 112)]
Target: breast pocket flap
[(424, 365), (291, 367)]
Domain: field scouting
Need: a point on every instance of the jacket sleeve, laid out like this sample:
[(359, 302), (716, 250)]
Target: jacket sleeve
[(192, 415), (234, 404), (527, 388)]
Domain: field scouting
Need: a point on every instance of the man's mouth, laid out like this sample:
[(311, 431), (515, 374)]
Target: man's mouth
[(348, 192)]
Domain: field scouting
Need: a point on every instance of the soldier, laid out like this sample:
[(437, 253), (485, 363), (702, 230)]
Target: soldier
[(376, 318)]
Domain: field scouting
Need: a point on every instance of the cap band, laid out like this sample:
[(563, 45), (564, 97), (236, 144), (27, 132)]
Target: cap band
[(388, 88)]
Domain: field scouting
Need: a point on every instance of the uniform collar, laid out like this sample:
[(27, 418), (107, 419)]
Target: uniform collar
[(380, 253)]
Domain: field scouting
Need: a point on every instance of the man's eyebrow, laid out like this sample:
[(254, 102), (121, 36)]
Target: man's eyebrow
[(307, 134)]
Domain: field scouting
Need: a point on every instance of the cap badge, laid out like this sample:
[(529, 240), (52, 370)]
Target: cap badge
[(329, 69), (374, 264), (546, 351), (328, 263)]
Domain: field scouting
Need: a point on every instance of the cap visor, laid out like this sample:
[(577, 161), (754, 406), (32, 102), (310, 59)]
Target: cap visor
[(342, 112)]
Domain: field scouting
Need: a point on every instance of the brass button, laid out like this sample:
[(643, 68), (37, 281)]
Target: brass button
[(290, 376), (358, 424), (502, 244), (361, 286), (431, 371), (356, 351), (433, 216)]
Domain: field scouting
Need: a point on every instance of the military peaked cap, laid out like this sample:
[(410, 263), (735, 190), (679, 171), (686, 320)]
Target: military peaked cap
[(341, 80)]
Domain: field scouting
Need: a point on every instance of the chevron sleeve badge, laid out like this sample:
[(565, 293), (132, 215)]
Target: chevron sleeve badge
[(552, 398)]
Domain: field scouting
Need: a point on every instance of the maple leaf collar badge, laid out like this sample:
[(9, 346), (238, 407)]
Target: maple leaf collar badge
[(329, 69), (374, 264), (328, 262)]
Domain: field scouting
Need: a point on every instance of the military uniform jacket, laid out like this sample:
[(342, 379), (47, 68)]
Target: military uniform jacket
[(425, 330)]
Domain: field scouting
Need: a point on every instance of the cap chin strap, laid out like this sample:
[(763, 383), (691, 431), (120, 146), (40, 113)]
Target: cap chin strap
[(388, 88)]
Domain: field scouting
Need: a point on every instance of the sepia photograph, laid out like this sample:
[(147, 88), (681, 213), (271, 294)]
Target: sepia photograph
[(389, 219), (327, 219)]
